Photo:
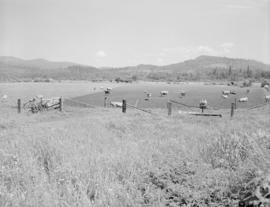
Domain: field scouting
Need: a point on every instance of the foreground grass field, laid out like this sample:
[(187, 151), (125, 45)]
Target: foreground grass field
[(101, 157)]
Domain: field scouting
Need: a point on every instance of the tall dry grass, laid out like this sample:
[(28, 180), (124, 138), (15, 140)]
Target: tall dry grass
[(101, 157)]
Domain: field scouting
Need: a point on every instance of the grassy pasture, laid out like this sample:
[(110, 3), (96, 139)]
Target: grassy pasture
[(194, 93), (102, 157)]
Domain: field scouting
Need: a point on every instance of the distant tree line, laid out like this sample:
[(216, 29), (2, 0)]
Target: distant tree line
[(229, 73)]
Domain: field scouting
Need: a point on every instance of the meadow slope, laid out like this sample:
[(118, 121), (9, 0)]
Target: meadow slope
[(101, 157)]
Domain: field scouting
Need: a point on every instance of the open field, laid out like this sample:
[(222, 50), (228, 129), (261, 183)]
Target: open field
[(67, 89), (102, 157), (194, 93)]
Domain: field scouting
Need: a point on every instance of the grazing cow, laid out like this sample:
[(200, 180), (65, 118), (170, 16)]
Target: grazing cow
[(4, 97), (225, 96), (164, 93), (182, 93), (233, 92), (203, 102), (244, 99), (266, 87), (116, 104), (148, 96), (108, 90), (226, 92), (267, 99)]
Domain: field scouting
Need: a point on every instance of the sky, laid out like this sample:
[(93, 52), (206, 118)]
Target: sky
[(130, 32)]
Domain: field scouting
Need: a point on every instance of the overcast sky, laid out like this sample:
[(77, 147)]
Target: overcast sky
[(129, 32)]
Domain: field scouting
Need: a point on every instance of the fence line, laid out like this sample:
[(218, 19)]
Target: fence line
[(189, 106), (125, 105), (139, 109), (257, 106), (79, 102)]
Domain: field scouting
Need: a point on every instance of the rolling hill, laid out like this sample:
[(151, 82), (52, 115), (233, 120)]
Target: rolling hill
[(16, 69), (202, 67)]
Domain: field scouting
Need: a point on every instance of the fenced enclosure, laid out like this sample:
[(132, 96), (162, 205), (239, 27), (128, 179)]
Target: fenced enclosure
[(183, 98)]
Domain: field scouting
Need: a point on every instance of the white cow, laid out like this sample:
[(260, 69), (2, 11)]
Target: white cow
[(4, 98), (108, 90), (116, 104), (148, 95), (243, 99), (203, 101), (266, 87), (267, 99), (225, 96), (164, 93), (225, 92)]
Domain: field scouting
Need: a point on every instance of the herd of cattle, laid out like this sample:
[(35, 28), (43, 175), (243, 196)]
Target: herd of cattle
[(225, 94)]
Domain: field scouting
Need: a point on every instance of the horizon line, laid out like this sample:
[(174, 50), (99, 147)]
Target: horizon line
[(100, 67)]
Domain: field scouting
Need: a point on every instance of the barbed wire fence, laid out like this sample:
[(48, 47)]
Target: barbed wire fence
[(125, 105)]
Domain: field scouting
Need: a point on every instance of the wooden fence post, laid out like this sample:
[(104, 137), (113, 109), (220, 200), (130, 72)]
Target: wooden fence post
[(105, 101), (61, 104), (234, 103), (19, 105), (232, 110), (124, 106), (169, 106)]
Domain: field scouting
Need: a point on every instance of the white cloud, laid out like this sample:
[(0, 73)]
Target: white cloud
[(190, 50), (227, 46), (205, 49), (101, 54)]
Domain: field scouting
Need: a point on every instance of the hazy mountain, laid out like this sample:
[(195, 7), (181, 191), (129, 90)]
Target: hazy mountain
[(34, 63), (202, 67), (200, 64), (16, 69), (206, 63)]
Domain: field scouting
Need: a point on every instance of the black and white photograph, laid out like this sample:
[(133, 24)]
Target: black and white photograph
[(134, 103)]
